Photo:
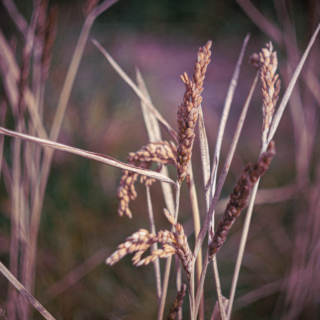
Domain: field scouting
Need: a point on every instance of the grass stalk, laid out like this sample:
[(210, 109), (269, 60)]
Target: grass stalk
[(25, 293), (225, 170), (154, 247), (168, 262), (196, 224), (87, 154), (206, 159), (273, 128)]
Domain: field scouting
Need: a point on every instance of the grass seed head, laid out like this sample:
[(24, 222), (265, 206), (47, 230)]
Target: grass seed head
[(178, 301), (161, 152), (188, 111), (240, 197), (270, 83)]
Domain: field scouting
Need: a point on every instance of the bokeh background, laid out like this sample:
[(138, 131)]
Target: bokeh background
[(80, 226)]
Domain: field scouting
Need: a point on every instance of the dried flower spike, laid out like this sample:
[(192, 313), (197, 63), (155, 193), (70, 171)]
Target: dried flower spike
[(178, 301), (141, 241), (189, 110), (267, 61), (239, 198), (162, 152)]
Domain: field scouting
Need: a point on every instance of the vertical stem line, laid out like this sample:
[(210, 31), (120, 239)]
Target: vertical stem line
[(196, 223), (168, 262), (154, 247)]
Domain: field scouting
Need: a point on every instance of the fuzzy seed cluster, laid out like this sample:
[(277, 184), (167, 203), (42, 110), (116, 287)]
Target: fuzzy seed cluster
[(162, 152), (239, 198), (188, 110), (267, 62)]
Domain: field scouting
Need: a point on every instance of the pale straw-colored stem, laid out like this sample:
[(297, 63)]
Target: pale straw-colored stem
[(216, 156), (90, 155), (154, 134), (196, 224), (25, 293), (178, 280), (13, 305), (201, 283), (205, 161), (154, 247), (225, 114), (244, 236), (218, 288), (3, 113), (287, 94), (168, 262), (273, 128), (225, 170)]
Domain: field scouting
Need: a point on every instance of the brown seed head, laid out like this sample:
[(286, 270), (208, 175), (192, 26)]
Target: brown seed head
[(178, 301), (267, 61), (189, 109), (173, 243), (162, 152), (239, 198)]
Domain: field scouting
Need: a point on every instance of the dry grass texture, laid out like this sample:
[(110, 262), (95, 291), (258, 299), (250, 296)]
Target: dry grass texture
[(139, 242), (26, 163), (239, 198), (162, 153), (270, 83), (189, 110), (178, 301)]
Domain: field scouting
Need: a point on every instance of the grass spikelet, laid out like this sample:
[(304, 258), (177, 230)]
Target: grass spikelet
[(178, 301), (162, 152), (267, 62), (189, 109), (132, 244), (239, 198), (139, 242)]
